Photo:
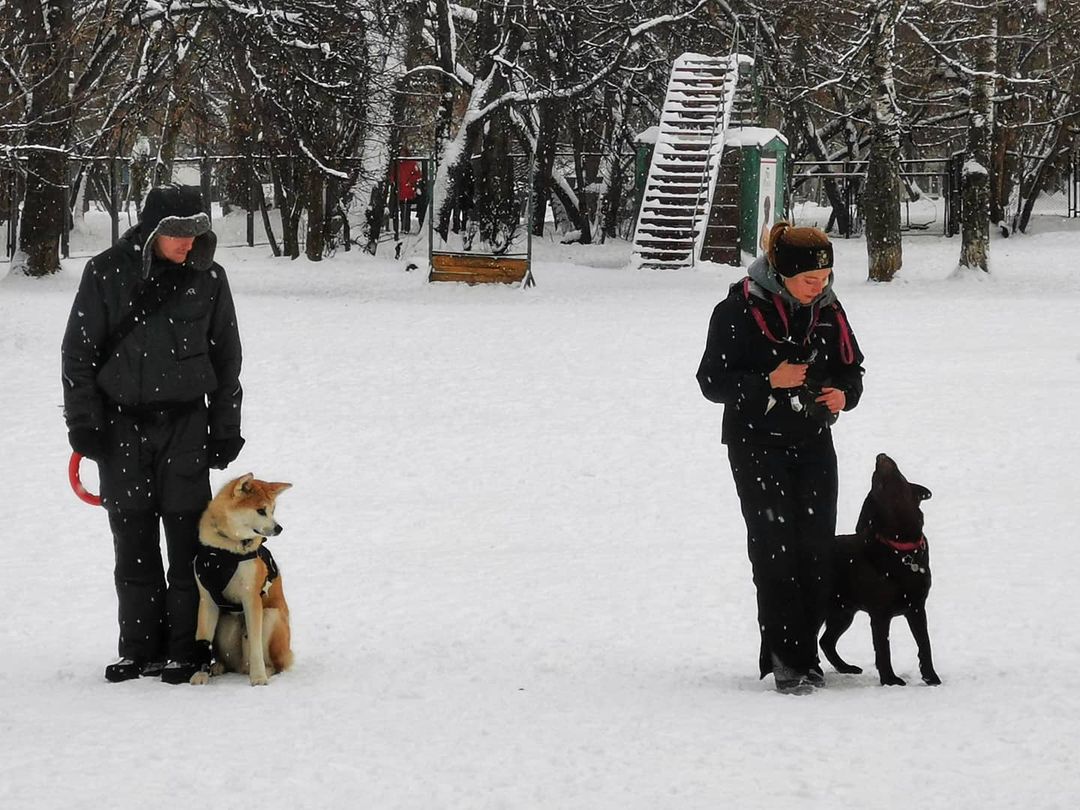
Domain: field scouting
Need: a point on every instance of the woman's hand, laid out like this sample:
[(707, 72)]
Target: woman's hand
[(788, 375), (832, 398)]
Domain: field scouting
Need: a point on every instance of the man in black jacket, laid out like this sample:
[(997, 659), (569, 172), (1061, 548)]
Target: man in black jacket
[(151, 365)]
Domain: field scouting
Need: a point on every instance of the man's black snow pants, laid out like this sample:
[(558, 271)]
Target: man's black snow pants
[(156, 476), (788, 498), (157, 615)]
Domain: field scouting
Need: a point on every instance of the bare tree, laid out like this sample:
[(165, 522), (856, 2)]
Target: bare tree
[(881, 200), (504, 75), (47, 124), (811, 66), (307, 77), (398, 40)]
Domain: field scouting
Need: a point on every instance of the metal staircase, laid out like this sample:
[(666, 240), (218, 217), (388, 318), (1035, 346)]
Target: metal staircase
[(686, 160)]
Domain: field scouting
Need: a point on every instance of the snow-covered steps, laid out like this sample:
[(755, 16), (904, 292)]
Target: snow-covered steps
[(682, 176)]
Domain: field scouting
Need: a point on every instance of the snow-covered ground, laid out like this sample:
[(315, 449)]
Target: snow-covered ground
[(515, 559)]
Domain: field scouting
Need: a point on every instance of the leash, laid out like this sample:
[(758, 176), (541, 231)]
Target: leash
[(759, 316), (77, 484), (847, 347)]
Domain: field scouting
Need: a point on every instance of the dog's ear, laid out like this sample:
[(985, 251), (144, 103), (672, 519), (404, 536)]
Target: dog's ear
[(277, 487), (240, 485), (921, 492)]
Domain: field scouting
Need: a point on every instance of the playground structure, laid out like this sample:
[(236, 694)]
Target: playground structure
[(715, 180), (452, 258), (677, 213)]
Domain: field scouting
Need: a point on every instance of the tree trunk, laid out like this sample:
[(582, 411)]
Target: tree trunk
[(975, 225), (565, 203), (1052, 148), (388, 107), (1003, 136), (607, 170), (261, 204), (496, 201), (615, 170), (881, 207), (582, 185), (45, 201), (816, 146), (289, 204), (881, 197), (546, 143), (316, 211), (170, 134)]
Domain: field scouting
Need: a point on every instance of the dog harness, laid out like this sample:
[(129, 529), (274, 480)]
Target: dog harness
[(215, 567), (847, 348)]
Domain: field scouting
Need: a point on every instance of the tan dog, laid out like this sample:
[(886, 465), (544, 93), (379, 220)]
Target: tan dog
[(240, 592)]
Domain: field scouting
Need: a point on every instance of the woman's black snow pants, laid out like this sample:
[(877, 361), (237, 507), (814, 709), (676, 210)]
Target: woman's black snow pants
[(788, 498)]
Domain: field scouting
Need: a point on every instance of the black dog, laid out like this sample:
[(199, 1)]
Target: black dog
[(884, 569)]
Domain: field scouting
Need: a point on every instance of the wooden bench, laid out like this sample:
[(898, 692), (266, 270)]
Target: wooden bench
[(480, 269)]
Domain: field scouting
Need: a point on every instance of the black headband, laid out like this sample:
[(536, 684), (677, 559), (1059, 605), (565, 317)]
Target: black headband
[(790, 260)]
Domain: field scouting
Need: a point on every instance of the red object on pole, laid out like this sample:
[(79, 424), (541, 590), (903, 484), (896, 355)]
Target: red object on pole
[(77, 484)]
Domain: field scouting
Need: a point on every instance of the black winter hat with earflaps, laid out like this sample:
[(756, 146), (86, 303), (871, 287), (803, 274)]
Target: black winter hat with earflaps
[(177, 210)]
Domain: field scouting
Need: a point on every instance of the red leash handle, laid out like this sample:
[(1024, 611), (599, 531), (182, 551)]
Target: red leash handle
[(77, 484)]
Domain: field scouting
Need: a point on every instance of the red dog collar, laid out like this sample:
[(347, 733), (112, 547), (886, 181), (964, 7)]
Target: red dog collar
[(900, 545)]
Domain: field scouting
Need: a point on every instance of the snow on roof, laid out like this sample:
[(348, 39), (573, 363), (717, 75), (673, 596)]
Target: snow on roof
[(751, 136), (648, 135)]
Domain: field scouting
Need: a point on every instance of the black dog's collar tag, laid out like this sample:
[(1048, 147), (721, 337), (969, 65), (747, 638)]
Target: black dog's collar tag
[(909, 561)]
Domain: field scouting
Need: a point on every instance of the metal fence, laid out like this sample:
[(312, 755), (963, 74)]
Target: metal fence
[(115, 186), (930, 179), (1074, 186)]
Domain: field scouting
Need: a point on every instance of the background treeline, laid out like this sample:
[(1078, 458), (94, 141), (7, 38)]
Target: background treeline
[(318, 98)]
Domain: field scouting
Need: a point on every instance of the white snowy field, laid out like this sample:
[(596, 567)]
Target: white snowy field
[(515, 559)]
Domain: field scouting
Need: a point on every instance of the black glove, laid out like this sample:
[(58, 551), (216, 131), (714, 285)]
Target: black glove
[(223, 452), (87, 442)]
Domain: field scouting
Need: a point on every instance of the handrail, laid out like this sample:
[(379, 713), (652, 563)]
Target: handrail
[(706, 172)]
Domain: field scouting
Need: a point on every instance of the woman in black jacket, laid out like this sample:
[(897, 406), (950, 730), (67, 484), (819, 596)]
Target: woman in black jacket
[(782, 359), (151, 366)]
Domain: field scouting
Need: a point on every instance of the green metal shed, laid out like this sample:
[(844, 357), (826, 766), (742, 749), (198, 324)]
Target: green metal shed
[(762, 183)]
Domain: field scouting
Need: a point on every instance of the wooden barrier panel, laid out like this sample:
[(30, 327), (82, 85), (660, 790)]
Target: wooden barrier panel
[(479, 269)]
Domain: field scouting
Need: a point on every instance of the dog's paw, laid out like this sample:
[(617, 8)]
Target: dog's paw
[(200, 678), (259, 680), (892, 680), (217, 668), (931, 679), (849, 669)]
